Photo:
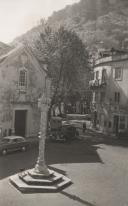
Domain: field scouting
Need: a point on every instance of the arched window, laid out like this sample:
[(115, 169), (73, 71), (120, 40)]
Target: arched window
[(23, 79)]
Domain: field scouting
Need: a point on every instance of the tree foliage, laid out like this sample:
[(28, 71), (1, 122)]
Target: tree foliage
[(66, 59)]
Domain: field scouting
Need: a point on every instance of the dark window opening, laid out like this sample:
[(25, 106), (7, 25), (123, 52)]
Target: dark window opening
[(122, 122), (23, 80), (118, 73), (103, 75), (97, 75), (117, 97)]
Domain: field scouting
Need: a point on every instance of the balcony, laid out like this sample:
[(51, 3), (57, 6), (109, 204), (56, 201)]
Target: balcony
[(111, 58), (97, 84), (103, 60)]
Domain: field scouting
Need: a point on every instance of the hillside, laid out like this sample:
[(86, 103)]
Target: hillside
[(99, 23)]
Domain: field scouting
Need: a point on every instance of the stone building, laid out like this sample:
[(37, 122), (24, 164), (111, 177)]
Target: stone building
[(21, 83), (109, 86)]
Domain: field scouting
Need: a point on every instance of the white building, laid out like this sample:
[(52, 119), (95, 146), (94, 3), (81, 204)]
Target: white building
[(110, 92)]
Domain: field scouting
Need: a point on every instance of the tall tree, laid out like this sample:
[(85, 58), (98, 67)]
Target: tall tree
[(66, 58)]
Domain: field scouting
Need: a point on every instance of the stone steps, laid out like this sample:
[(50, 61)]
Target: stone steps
[(35, 175), (26, 183), (34, 181)]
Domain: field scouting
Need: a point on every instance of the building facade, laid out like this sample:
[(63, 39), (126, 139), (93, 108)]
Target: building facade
[(110, 92), (21, 84)]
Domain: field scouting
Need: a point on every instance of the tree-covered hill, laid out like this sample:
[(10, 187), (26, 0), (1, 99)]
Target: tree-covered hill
[(97, 22)]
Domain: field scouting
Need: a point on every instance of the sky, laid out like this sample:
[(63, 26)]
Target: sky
[(18, 16)]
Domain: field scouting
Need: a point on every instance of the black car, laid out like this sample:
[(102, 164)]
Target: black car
[(65, 133), (13, 143)]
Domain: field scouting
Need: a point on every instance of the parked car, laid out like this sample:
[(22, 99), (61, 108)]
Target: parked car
[(60, 131), (13, 143), (69, 132), (77, 120)]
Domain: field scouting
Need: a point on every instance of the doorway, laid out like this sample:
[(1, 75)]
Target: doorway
[(20, 122), (116, 124)]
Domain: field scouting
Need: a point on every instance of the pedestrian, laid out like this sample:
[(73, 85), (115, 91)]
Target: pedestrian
[(84, 127)]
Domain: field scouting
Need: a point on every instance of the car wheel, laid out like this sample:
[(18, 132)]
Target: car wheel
[(4, 152), (53, 138), (23, 149)]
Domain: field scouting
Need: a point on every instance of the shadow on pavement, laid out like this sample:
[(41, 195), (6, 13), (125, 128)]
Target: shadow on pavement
[(76, 152), (56, 153), (78, 199), (13, 163)]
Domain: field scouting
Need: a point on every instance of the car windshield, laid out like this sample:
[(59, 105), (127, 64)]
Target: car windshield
[(5, 140)]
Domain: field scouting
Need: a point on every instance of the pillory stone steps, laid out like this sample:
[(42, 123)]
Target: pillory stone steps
[(31, 182)]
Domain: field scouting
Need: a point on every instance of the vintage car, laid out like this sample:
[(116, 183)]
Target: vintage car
[(12, 143), (79, 119), (60, 131)]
